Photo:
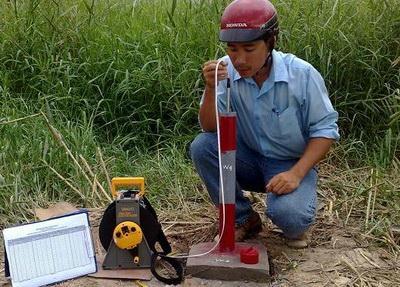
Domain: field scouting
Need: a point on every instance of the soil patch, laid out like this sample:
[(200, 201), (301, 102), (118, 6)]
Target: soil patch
[(337, 256)]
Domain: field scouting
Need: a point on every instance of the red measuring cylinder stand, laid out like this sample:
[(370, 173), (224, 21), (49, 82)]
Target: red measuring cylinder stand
[(227, 135)]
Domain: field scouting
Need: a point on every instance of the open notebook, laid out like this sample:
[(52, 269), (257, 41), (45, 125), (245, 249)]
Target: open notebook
[(50, 251)]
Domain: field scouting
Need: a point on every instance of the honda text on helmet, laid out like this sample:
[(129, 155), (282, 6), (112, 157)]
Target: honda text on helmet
[(248, 20)]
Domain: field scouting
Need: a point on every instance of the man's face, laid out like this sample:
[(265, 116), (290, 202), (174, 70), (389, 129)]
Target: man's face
[(248, 57)]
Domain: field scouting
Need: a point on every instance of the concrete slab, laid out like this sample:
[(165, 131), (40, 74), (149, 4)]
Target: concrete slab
[(227, 266)]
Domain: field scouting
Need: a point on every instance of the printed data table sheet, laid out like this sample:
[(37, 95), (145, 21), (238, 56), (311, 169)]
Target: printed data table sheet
[(50, 251)]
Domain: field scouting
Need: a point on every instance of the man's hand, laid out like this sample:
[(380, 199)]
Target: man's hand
[(288, 181), (207, 109), (284, 182), (209, 72)]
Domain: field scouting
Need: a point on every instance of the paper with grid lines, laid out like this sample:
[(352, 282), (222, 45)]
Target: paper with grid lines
[(50, 251)]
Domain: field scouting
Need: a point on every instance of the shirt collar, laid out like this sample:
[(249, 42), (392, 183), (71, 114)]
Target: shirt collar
[(278, 71)]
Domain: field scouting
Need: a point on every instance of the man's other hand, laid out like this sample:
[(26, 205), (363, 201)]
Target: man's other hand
[(283, 183)]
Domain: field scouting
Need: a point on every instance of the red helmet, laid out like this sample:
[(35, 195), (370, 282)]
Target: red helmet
[(248, 20)]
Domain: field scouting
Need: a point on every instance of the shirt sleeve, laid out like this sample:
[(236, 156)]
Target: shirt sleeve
[(321, 117)]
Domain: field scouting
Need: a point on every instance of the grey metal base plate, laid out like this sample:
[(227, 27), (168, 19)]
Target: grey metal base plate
[(227, 266)]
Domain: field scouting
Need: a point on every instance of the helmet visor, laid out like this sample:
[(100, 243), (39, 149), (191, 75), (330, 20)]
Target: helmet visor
[(240, 35)]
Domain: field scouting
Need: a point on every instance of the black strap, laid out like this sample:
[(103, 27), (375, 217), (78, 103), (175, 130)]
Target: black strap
[(175, 263), (154, 233), (162, 240)]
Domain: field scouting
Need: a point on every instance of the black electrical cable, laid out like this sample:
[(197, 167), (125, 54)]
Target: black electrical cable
[(176, 264)]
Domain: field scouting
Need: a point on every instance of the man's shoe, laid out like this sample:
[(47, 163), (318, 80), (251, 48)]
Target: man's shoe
[(298, 243), (250, 228)]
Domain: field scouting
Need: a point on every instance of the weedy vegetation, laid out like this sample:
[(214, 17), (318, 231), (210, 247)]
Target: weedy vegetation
[(95, 89)]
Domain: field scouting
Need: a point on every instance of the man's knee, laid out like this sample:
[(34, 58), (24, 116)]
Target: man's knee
[(202, 145), (291, 217)]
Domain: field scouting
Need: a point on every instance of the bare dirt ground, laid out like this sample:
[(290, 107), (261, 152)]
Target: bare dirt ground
[(337, 255)]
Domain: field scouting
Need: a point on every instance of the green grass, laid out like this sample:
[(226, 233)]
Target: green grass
[(31, 153), (124, 76), (138, 62), (141, 71)]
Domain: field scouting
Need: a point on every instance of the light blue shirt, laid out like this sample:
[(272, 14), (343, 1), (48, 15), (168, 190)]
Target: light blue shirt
[(291, 107)]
